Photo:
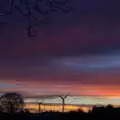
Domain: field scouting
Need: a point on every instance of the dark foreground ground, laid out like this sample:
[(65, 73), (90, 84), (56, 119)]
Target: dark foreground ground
[(98, 113)]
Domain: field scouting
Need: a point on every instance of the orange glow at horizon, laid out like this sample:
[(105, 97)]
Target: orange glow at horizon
[(35, 108)]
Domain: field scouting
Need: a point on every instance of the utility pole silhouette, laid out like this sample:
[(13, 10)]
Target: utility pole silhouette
[(39, 107)]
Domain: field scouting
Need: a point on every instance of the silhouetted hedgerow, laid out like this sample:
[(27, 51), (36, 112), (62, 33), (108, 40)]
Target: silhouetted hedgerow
[(98, 113)]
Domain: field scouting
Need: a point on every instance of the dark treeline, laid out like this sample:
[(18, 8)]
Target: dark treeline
[(97, 113), (11, 108)]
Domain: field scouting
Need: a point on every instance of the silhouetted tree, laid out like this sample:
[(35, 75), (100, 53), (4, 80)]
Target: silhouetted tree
[(33, 10), (63, 101), (11, 102), (109, 106)]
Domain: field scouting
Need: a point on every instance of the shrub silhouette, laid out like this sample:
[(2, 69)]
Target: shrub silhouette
[(11, 103)]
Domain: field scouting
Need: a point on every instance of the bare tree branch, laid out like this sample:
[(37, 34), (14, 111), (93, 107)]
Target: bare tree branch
[(34, 10), (63, 101)]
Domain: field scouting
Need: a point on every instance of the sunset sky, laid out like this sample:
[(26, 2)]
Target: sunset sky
[(76, 53)]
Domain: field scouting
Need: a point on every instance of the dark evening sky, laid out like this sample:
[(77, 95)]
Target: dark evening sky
[(76, 53)]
